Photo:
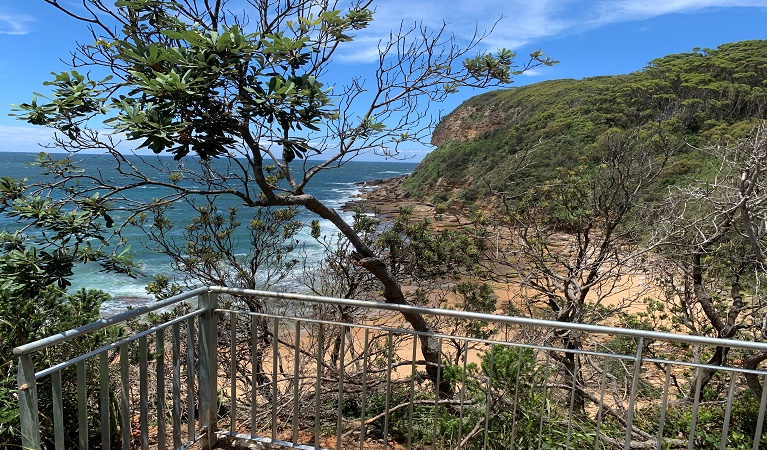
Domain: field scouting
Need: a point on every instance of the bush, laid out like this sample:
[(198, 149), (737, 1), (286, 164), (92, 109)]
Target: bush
[(23, 320)]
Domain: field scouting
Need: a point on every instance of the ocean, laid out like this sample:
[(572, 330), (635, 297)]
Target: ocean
[(335, 187)]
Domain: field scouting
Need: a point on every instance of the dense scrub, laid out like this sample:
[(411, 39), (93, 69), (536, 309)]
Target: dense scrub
[(524, 133)]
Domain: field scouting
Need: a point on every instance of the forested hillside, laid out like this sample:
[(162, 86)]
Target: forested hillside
[(638, 199), (510, 140)]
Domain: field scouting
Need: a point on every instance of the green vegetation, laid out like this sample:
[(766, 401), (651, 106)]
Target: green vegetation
[(531, 131), (597, 183), (576, 168), (185, 78), (35, 265)]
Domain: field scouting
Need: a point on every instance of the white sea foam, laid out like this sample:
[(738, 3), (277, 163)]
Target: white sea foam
[(333, 187)]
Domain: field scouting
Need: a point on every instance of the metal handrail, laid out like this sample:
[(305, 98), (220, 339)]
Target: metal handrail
[(100, 324), (202, 376), (551, 324), (115, 345)]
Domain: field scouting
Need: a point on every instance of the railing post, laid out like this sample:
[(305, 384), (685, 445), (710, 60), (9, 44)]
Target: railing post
[(208, 380), (29, 417)]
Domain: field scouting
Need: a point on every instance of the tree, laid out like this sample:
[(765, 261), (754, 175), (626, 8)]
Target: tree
[(210, 249), (36, 261), (577, 240), (715, 235), (201, 78)]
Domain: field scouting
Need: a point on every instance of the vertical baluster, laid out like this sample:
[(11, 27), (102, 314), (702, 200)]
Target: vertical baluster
[(489, 396), (254, 375), (365, 357), (728, 410), (413, 374), (573, 387), (632, 398), (143, 395), (695, 407), (543, 401), (463, 390), (296, 387), (664, 406), (318, 384), (28, 408), (175, 350), (275, 393), (341, 369), (762, 412), (106, 437), (602, 382), (208, 368), (390, 356), (437, 397), (125, 397), (516, 396), (82, 406), (161, 425), (58, 410), (233, 369), (190, 374)]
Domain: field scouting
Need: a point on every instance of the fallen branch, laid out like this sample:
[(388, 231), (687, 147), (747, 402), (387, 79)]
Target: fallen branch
[(402, 405), (474, 431)]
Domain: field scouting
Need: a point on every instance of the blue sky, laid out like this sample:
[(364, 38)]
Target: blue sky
[(589, 38)]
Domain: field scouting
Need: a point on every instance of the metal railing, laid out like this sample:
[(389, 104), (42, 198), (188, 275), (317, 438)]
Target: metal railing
[(297, 371)]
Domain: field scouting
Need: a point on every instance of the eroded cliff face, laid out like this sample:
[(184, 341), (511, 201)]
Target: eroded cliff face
[(471, 120)]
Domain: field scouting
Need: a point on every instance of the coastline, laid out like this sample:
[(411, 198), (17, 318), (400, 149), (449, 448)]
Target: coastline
[(380, 195), (384, 197)]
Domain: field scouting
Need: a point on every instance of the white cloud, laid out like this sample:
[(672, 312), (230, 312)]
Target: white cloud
[(513, 23), (516, 23), (14, 23), (23, 139), (631, 10), (531, 73)]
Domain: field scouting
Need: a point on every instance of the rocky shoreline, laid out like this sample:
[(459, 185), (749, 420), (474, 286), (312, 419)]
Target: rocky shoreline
[(382, 194), (384, 197)]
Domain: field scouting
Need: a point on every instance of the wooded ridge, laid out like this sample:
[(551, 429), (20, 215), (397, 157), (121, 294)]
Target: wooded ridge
[(506, 141)]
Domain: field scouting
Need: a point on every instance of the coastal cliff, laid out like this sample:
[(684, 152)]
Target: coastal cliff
[(506, 141), (473, 119)]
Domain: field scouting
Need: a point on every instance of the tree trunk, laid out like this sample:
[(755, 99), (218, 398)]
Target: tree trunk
[(725, 327), (705, 375), (392, 290), (752, 379)]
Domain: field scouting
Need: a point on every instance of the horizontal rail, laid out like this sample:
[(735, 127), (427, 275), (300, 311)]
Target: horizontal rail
[(552, 324), (600, 329), (115, 345), (104, 323), (583, 351), (295, 374)]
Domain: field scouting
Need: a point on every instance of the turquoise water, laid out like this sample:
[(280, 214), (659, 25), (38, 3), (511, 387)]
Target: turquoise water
[(334, 187)]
